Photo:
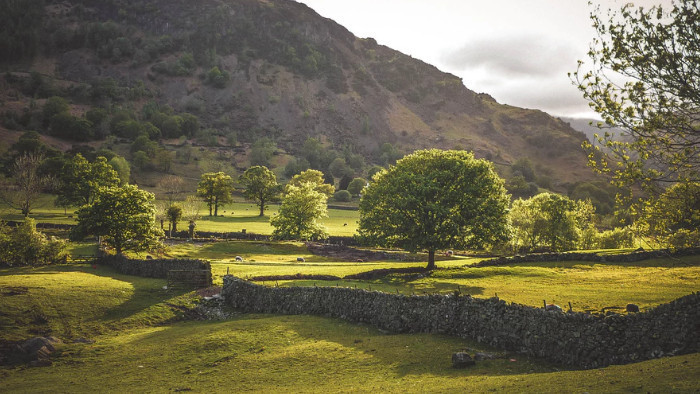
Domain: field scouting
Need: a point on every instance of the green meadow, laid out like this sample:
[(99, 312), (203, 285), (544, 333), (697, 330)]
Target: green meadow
[(144, 342)]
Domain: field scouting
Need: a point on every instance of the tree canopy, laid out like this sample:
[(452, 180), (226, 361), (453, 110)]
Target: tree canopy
[(299, 214), (645, 79), (80, 180), (260, 186), (432, 200), (314, 177), (123, 216), (215, 188)]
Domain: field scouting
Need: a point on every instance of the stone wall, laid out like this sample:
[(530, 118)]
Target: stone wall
[(157, 268), (574, 339), (584, 256)]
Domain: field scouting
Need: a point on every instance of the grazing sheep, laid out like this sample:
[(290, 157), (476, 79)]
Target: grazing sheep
[(301, 260), (449, 253), (552, 307), (239, 258), (360, 260)]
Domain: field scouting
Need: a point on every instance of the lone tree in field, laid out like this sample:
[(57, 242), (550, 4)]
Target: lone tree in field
[(657, 104), (260, 186), (432, 200), (215, 188), (123, 216), (301, 209)]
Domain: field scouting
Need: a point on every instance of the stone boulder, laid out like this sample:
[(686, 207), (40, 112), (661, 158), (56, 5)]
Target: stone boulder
[(462, 360)]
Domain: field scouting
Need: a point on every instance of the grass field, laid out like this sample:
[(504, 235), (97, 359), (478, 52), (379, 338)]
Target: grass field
[(139, 348), (232, 218), (143, 344)]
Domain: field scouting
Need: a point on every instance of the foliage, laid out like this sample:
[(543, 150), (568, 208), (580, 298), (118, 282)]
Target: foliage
[(523, 166), (261, 152), (81, 180), (21, 33), (656, 55), (215, 189), (342, 196), (123, 216), (174, 214), (356, 185), (434, 199), (122, 168), (69, 127), (549, 221), (674, 218), (260, 186), (302, 207), (314, 177), (53, 106), (519, 187), (339, 168), (295, 166), (24, 245), (218, 78)]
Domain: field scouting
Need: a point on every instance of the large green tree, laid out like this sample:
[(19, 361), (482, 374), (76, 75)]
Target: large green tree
[(260, 186), (215, 188), (80, 180), (123, 216), (645, 78), (432, 200), (298, 217)]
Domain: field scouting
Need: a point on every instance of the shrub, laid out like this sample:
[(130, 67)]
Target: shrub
[(684, 238), (24, 245), (342, 196), (616, 238)]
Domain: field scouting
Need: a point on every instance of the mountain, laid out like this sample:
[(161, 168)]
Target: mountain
[(249, 69)]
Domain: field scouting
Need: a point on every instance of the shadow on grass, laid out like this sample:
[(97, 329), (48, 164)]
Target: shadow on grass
[(147, 292)]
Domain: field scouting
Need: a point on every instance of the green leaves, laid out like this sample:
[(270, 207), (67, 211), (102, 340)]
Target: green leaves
[(303, 205), (123, 216), (434, 199), (215, 189), (260, 186)]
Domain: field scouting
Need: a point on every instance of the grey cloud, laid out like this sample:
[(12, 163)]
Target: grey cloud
[(514, 57)]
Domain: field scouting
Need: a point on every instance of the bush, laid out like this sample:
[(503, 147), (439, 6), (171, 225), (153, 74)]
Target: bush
[(616, 238), (684, 238), (24, 245), (342, 196)]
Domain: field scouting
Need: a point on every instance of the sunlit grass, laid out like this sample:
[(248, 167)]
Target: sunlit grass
[(267, 353), (71, 301)]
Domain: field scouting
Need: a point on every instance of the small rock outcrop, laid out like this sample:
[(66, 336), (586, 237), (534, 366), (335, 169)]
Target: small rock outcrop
[(462, 360)]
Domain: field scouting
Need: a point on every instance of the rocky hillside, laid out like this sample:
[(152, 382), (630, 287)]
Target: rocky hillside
[(249, 69)]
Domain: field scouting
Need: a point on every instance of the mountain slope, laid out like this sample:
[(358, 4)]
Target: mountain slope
[(276, 69)]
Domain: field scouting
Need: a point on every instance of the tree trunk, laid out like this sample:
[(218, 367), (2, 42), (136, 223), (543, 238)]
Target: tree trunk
[(262, 207), (431, 259), (216, 206)]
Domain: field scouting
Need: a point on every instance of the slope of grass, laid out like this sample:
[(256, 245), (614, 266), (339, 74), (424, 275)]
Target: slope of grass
[(72, 301)]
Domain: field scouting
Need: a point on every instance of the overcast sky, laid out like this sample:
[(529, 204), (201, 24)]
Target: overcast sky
[(518, 51)]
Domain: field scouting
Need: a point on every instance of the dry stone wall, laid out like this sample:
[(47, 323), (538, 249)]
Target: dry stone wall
[(574, 339), (157, 268), (584, 256)]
